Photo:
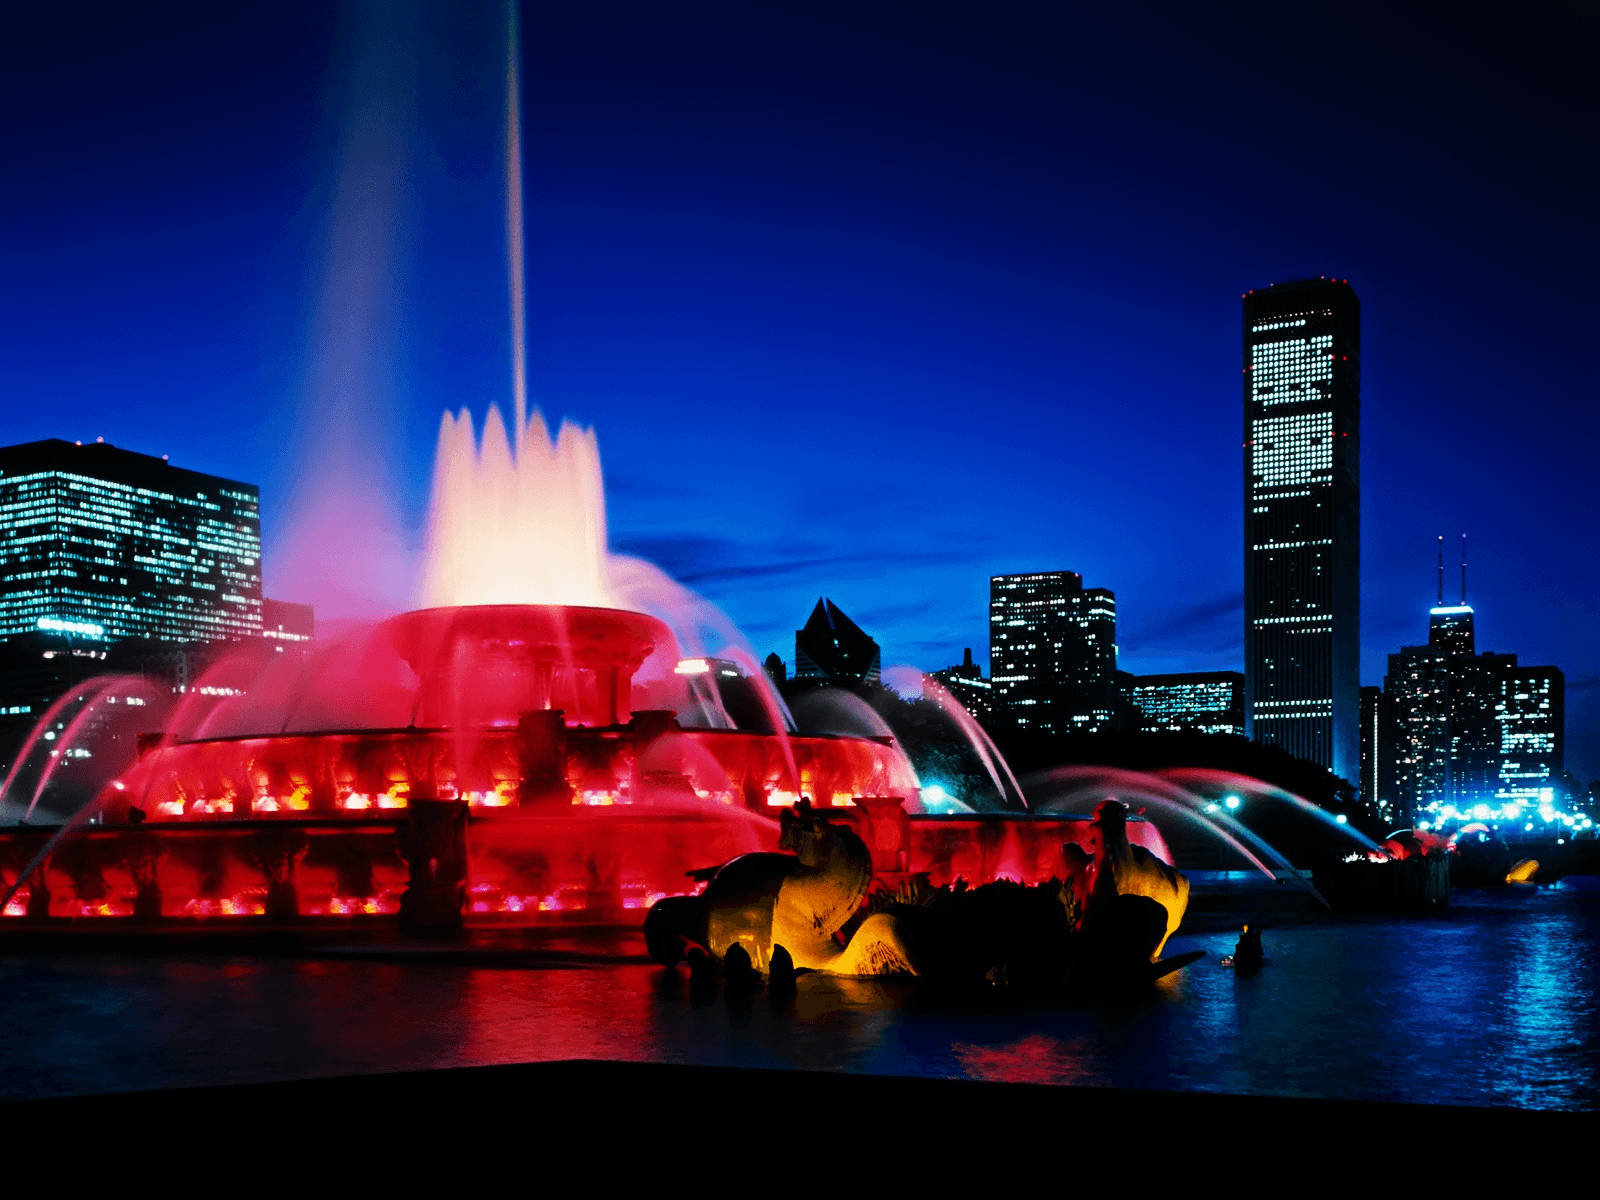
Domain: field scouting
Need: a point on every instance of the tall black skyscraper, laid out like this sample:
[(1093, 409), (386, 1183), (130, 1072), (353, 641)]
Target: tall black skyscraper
[(1302, 453)]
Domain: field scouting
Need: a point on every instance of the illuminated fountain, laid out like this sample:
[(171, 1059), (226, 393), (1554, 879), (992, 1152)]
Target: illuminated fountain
[(527, 760)]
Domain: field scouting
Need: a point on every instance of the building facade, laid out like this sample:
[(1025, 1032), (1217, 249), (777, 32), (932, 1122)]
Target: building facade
[(1530, 711), (1302, 404), (1201, 702), (101, 544), (1418, 687), (1053, 652)]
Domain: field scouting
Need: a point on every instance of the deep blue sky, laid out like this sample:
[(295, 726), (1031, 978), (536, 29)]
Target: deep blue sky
[(871, 301)]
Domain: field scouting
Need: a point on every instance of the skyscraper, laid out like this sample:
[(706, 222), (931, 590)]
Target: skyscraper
[(1053, 652), (1471, 730), (102, 544), (1302, 389), (1377, 751)]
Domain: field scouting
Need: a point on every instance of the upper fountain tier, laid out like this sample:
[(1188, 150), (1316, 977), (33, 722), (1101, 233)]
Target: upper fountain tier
[(484, 665)]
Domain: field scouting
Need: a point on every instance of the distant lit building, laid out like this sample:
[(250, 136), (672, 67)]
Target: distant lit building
[(1199, 702), (1418, 687), (1053, 652), (1302, 408), (286, 624), (966, 683), (1531, 712), (1473, 732), (832, 648), (101, 544)]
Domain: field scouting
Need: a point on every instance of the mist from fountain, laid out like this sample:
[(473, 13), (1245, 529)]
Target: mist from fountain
[(112, 710), (95, 706), (838, 713), (84, 693), (909, 679)]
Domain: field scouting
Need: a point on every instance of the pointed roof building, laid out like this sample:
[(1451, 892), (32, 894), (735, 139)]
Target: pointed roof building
[(833, 649)]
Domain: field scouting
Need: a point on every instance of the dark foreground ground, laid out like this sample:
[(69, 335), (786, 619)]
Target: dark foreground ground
[(641, 1117)]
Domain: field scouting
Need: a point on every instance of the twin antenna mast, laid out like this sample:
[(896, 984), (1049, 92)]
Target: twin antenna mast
[(1463, 570)]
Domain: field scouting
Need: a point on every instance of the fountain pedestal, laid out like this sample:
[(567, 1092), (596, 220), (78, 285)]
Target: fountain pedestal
[(542, 759), (434, 843)]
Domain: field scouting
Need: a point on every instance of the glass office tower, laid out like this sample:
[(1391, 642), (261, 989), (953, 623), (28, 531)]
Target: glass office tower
[(100, 544)]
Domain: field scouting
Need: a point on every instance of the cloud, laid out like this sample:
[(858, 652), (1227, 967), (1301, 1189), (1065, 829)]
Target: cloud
[(1191, 624), (696, 559)]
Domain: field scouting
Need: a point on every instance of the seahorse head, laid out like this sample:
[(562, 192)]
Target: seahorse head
[(1108, 832), (805, 833)]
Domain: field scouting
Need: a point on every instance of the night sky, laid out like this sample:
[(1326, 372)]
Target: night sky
[(870, 301)]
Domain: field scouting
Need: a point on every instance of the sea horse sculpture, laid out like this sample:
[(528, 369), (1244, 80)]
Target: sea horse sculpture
[(1119, 868), (797, 900)]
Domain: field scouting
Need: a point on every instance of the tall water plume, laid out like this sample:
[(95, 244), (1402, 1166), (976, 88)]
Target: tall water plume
[(515, 519)]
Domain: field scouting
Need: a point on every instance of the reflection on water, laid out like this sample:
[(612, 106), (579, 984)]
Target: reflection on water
[(1494, 1003)]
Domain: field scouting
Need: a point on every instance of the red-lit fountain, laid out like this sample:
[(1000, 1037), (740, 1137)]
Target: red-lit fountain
[(511, 761)]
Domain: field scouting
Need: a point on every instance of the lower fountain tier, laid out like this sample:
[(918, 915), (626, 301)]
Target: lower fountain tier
[(587, 864), (540, 764)]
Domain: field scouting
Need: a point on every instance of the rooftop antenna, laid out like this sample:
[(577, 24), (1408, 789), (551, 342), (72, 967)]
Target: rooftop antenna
[(1463, 570), (1441, 571)]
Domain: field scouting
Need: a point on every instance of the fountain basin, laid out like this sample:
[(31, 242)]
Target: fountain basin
[(576, 804)]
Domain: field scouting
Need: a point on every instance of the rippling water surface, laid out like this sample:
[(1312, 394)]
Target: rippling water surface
[(1495, 1003)]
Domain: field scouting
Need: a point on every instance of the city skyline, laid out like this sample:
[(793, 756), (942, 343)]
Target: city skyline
[(982, 345)]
